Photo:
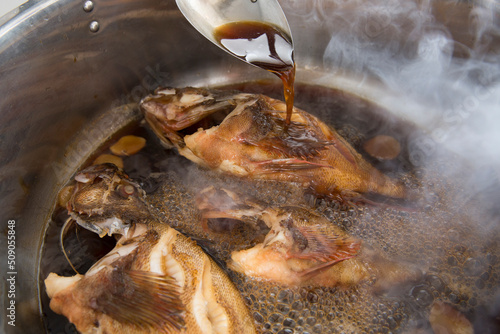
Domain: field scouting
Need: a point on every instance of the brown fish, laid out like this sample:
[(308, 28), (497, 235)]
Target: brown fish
[(155, 280), (302, 247), (245, 136)]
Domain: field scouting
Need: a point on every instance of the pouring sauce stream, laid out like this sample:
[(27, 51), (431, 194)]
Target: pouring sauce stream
[(265, 46)]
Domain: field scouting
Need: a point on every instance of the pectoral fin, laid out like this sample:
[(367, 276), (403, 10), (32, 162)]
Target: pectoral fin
[(144, 299), (325, 248), (322, 245)]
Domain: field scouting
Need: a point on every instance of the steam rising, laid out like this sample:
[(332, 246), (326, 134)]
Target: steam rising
[(451, 69)]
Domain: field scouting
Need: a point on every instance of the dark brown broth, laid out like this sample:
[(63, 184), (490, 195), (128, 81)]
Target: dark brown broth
[(447, 277)]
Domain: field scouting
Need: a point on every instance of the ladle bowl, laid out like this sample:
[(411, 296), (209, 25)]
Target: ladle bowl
[(207, 15)]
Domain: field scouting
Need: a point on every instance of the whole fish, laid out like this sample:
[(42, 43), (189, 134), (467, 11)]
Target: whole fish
[(302, 248), (245, 135), (155, 280)]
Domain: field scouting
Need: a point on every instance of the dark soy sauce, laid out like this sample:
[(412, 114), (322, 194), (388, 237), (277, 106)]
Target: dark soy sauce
[(265, 46)]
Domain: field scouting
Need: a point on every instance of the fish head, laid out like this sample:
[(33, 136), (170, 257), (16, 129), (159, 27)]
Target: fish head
[(105, 201), (173, 113)]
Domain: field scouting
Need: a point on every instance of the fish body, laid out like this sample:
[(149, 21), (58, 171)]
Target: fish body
[(155, 280), (302, 248), (249, 138)]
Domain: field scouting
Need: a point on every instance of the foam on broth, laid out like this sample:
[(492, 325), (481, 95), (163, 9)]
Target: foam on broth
[(452, 237)]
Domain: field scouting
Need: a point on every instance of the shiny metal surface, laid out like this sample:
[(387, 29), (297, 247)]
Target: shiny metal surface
[(58, 79), (207, 15), (56, 76), (88, 6)]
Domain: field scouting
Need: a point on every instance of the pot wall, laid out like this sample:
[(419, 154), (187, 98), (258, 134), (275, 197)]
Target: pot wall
[(57, 77)]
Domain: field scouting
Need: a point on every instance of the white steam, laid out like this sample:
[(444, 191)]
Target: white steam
[(443, 56)]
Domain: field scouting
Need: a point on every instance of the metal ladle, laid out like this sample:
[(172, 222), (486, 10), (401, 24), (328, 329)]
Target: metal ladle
[(207, 15)]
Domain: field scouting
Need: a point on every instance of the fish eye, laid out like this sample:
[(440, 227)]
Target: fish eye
[(125, 190)]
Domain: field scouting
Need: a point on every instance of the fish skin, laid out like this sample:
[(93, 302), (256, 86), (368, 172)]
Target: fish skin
[(302, 248), (155, 280), (252, 142)]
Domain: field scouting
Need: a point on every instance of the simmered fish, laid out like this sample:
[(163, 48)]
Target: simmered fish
[(245, 135), (301, 248), (453, 237), (155, 280)]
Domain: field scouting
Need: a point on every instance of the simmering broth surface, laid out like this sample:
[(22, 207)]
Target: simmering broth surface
[(450, 234)]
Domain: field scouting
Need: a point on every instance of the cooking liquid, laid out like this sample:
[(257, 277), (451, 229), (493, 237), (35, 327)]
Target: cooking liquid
[(265, 46), (463, 270)]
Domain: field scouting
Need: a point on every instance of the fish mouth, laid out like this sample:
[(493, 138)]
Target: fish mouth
[(170, 139), (104, 226), (174, 113)]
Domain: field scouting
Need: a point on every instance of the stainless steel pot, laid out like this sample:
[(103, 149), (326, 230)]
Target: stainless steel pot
[(64, 64)]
